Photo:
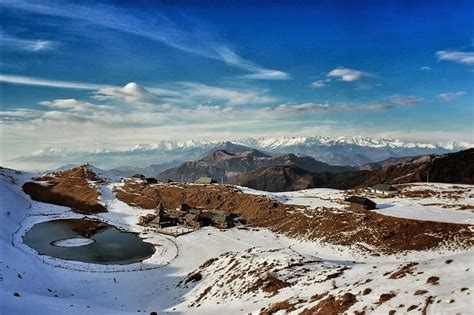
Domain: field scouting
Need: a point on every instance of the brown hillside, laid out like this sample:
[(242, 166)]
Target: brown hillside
[(386, 234), (69, 188)]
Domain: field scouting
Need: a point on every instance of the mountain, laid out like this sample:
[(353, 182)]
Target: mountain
[(349, 150), (332, 150), (285, 178), (224, 165), (448, 168), (292, 177), (149, 171), (387, 162)]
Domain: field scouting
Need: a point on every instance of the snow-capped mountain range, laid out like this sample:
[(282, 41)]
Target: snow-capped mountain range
[(331, 150)]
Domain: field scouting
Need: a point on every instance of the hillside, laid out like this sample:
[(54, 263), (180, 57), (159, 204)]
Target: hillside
[(449, 168), (74, 188), (225, 165), (291, 177)]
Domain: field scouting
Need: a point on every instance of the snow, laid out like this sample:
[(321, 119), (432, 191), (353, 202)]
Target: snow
[(73, 242), (417, 212), (54, 286), (438, 208)]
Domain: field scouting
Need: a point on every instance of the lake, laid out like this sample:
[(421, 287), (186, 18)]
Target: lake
[(89, 241)]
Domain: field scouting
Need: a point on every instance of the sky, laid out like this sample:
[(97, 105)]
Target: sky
[(89, 74)]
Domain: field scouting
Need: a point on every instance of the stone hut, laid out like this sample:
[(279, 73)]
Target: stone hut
[(151, 180), (384, 190), (360, 203), (205, 180)]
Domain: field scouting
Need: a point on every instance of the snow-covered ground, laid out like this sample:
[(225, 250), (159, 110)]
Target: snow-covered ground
[(443, 206), (44, 285)]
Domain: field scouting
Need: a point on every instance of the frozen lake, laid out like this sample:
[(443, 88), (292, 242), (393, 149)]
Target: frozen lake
[(100, 243)]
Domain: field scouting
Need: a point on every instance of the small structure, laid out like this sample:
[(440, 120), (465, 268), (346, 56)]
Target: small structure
[(186, 217), (164, 219), (384, 190), (192, 220), (156, 222), (160, 208), (216, 218), (223, 220), (138, 176), (179, 212), (360, 203), (145, 219), (205, 180), (151, 180)]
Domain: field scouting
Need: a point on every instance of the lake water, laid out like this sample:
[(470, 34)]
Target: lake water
[(110, 246)]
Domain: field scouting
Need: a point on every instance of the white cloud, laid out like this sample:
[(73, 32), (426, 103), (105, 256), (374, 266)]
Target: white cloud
[(345, 74), (175, 93), (466, 58), (425, 68), (447, 97), (129, 93), (268, 75), (318, 84), (406, 100), (315, 107), (231, 96), (32, 45), (258, 72), (24, 80), (19, 114), (72, 105)]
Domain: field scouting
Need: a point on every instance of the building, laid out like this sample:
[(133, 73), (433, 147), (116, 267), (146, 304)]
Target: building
[(151, 180), (205, 180), (216, 218), (223, 220), (360, 203), (156, 222), (192, 220), (384, 190), (145, 219), (187, 216), (138, 176)]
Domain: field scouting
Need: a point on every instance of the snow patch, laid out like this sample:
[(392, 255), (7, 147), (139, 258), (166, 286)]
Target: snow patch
[(74, 242)]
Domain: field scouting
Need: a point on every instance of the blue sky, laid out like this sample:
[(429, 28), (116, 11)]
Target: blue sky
[(114, 74)]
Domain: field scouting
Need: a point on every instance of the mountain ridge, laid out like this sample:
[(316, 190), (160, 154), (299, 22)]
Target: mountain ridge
[(332, 150), (224, 165), (448, 168)]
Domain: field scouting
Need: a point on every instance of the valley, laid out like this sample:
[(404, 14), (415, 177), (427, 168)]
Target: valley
[(301, 252)]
